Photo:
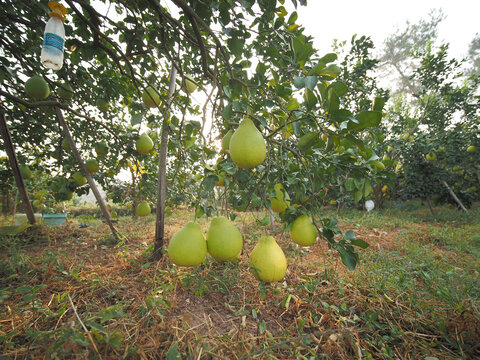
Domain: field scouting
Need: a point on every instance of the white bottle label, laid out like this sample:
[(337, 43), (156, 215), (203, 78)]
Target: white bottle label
[(53, 40)]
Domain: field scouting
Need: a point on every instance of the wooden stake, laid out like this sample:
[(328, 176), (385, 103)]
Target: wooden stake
[(454, 196), (162, 174), (12, 157), (83, 169)]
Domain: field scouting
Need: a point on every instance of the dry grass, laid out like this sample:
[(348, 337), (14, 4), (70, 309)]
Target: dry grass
[(109, 301)]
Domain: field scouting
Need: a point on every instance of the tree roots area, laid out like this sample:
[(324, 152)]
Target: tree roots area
[(74, 292)]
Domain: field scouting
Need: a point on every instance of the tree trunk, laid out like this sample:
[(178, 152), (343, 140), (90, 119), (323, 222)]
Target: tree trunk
[(454, 196), (83, 169), (162, 173), (12, 157), (429, 202)]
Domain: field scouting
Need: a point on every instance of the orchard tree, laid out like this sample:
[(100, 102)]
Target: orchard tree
[(248, 59)]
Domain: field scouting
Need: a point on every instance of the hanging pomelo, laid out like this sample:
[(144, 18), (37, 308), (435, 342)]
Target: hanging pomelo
[(247, 145), (188, 246), (267, 260), (303, 232), (224, 240)]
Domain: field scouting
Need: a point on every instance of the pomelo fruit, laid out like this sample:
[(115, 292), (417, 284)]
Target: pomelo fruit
[(92, 166), (79, 178), (37, 87), (143, 209), (188, 246), (66, 145), (26, 172), (224, 240), (247, 145), (303, 232), (267, 260), (101, 149), (147, 95), (471, 149), (144, 144), (102, 104), (190, 85), (281, 201)]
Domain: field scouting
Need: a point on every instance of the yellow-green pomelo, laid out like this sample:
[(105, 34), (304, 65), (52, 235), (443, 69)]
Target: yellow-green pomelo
[(92, 166), (147, 95), (221, 181), (66, 145), (190, 85), (144, 144), (65, 91), (37, 87), (431, 157), (101, 149), (303, 232), (281, 201), (188, 246), (102, 104), (471, 149), (79, 178), (143, 209), (26, 172), (247, 145), (267, 260), (226, 140), (113, 214), (224, 240)]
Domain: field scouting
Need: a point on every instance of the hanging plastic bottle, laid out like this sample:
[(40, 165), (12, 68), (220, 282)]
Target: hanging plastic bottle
[(54, 37)]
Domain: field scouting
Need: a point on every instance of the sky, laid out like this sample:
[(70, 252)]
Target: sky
[(326, 21)]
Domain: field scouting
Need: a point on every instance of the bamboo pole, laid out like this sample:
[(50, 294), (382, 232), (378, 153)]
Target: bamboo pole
[(454, 196), (162, 173), (12, 157), (83, 169)]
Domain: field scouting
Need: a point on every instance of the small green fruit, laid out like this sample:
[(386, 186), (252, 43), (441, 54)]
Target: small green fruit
[(92, 166), (386, 158), (224, 240), (79, 178), (102, 105), (143, 209), (101, 149), (431, 157), (113, 214), (190, 85), (267, 260), (471, 149), (147, 95), (37, 87), (188, 246), (247, 145), (26, 172), (66, 145), (144, 144), (65, 91), (281, 201), (226, 140), (303, 232)]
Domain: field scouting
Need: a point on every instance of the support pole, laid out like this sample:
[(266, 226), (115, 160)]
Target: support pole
[(83, 169), (454, 196), (12, 157), (162, 173)]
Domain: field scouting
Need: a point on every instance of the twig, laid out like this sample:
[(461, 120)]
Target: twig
[(84, 327)]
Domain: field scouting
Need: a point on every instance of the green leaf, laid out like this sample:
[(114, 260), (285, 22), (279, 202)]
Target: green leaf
[(349, 184), (299, 82), (96, 326), (349, 258), (136, 119), (349, 235), (262, 326), (235, 45), (173, 353), (378, 164), (293, 17), (333, 102), (306, 141), (292, 104), (339, 87), (23, 289), (311, 82), (378, 103), (265, 221), (328, 58), (366, 119), (331, 70), (358, 195), (310, 99), (360, 243), (209, 182), (368, 187), (227, 112)]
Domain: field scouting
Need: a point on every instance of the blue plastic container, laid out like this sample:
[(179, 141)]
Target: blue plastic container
[(54, 219)]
